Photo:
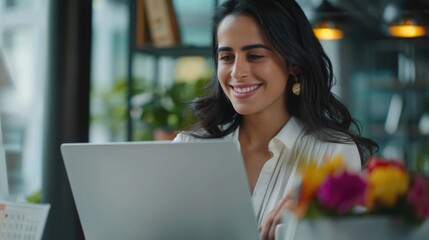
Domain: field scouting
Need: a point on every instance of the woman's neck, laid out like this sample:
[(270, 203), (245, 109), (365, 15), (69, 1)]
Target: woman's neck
[(258, 131)]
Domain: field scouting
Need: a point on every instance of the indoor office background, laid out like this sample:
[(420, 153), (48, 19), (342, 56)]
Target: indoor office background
[(79, 75)]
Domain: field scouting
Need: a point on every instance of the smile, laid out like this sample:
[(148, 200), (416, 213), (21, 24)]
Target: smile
[(242, 90)]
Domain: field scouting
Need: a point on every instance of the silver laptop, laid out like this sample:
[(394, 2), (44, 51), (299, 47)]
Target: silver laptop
[(161, 190)]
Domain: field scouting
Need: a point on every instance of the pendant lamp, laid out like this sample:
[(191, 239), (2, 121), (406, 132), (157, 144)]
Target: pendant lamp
[(327, 21), (408, 19)]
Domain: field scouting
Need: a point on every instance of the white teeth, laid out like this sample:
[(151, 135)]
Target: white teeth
[(245, 90)]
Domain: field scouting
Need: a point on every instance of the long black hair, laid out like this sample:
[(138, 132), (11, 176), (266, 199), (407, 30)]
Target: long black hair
[(290, 33)]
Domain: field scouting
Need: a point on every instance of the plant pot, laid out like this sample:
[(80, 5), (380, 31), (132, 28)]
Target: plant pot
[(160, 134), (356, 228)]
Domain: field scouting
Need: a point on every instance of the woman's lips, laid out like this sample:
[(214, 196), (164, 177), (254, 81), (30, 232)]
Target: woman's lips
[(245, 91)]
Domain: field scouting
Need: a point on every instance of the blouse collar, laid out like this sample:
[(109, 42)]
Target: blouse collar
[(290, 132), (287, 136)]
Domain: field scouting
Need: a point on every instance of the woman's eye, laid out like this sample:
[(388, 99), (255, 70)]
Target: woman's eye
[(225, 58), (255, 57)]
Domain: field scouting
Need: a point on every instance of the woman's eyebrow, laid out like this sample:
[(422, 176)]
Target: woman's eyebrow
[(244, 48), (253, 46), (224, 49)]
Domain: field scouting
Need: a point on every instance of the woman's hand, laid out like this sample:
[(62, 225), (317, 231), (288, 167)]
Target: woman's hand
[(268, 228)]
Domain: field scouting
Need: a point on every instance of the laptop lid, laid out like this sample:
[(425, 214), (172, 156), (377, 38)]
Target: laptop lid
[(161, 190)]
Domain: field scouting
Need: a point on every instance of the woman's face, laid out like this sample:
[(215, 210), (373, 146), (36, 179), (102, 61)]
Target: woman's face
[(252, 75)]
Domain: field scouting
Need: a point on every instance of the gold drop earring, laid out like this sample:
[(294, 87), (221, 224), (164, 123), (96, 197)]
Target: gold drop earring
[(296, 87)]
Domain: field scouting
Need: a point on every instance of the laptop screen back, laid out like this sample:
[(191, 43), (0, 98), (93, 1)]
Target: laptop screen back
[(161, 190)]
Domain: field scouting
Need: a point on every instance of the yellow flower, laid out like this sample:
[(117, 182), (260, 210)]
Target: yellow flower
[(386, 185)]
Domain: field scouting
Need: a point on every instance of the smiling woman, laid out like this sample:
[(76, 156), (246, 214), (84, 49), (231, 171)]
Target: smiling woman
[(251, 74), (272, 96)]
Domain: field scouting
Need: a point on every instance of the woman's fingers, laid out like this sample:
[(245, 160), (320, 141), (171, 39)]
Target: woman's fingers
[(268, 227), (276, 220)]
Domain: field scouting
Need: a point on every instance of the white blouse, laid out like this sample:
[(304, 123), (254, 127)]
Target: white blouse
[(279, 174)]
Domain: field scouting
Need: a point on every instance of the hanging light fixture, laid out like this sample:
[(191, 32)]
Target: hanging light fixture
[(407, 19), (408, 28), (326, 22)]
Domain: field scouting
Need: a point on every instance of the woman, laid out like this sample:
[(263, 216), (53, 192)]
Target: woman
[(272, 95)]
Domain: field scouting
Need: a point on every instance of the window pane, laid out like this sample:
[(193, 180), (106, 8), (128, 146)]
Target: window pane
[(109, 65), (23, 39), (194, 21), (20, 113)]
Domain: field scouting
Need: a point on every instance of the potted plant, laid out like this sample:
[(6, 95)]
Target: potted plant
[(384, 201)]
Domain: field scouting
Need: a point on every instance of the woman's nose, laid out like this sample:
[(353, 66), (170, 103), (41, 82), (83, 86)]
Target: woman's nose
[(240, 68)]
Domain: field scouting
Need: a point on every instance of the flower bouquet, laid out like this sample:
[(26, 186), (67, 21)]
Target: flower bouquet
[(384, 201)]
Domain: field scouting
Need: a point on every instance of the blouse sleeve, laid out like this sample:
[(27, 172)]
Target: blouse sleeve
[(350, 155), (182, 137)]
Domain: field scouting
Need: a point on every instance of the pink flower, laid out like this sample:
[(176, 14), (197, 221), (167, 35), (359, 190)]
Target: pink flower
[(342, 192), (419, 196)]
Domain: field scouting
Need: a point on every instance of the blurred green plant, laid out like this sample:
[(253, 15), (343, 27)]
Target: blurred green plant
[(109, 106), (154, 107), (166, 107), (35, 197)]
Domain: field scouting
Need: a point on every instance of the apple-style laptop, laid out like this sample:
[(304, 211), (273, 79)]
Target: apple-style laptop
[(161, 190)]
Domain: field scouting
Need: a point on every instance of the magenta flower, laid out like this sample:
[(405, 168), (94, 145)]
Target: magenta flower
[(418, 196), (342, 192)]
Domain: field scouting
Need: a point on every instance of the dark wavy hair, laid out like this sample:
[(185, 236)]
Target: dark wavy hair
[(291, 35)]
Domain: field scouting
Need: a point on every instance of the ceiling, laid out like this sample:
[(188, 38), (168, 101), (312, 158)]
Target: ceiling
[(371, 13)]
